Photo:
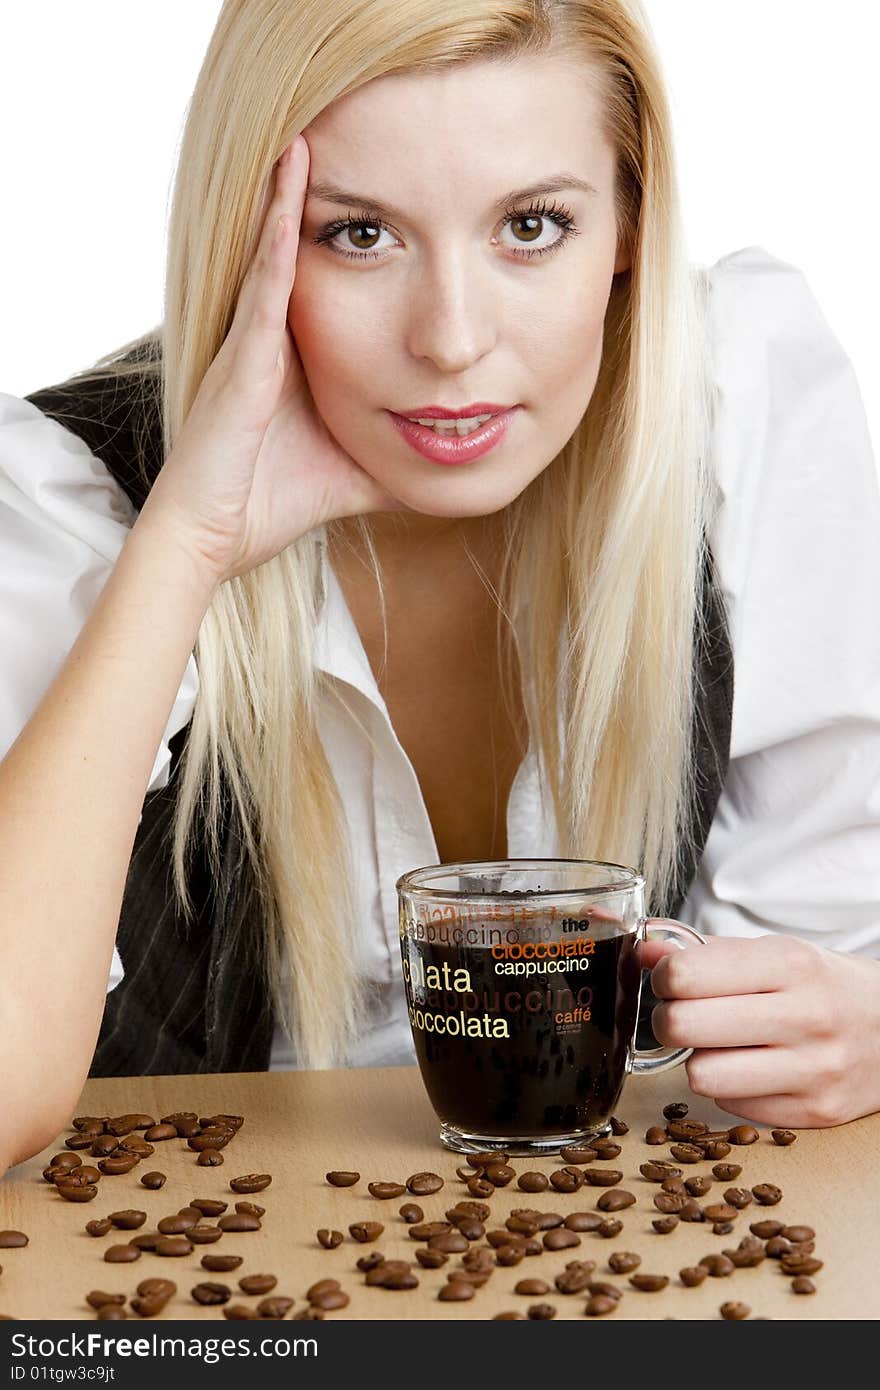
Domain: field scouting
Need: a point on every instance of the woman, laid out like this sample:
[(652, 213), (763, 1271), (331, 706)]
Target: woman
[(225, 485)]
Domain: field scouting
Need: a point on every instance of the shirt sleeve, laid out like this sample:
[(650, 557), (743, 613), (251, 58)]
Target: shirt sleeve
[(795, 842), (63, 521)]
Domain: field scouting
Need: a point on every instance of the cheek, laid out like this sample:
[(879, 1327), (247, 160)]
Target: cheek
[(565, 341), (324, 331)]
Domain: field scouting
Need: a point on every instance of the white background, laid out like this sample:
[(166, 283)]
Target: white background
[(775, 117)]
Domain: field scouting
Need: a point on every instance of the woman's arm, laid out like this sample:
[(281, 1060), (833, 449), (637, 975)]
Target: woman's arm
[(71, 791)]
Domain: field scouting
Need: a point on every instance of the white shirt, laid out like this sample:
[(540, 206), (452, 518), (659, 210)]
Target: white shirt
[(795, 842)]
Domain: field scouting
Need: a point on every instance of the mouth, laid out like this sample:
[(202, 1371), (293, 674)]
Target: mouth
[(454, 439)]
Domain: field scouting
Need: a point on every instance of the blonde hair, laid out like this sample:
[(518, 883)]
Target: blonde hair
[(608, 541)]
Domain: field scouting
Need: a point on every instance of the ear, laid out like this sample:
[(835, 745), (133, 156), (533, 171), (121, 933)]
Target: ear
[(623, 260)]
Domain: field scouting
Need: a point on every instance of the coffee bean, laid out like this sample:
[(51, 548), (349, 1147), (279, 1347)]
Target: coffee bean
[(656, 1134), (676, 1110), (498, 1174), (693, 1275), (542, 1312), (747, 1257), (480, 1211), (321, 1286), (687, 1153), (456, 1292), (86, 1193), (239, 1221), (532, 1288), (583, 1220), (777, 1246), (738, 1197), (722, 1228), (121, 1254), (623, 1261), (367, 1262), (568, 1179), (720, 1211), (767, 1194), (670, 1203), (573, 1279), (103, 1145), (423, 1184), (452, 1243), (257, 1283), (598, 1305), (210, 1158), (124, 1124), (133, 1144), (221, 1264), (735, 1312), (798, 1234), (330, 1239), (173, 1246), (599, 1290), (478, 1187), (674, 1185), (342, 1179), (616, 1200), (98, 1299), (157, 1288), (65, 1160), (609, 1228), (78, 1177), (156, 1133), (176, 1225), (431, 1259), (395, 1275), (509, 1317), (691, 1211), (411, 1212), (698, 1187), (82, 1122), (111, 1313), (743, 1134), (784, 1137), (727, 1172), (765, 1229), (128, 1220), (801, 1284), (603, 1177), (561, 1238), (99, 1228), (251, 1182), (203, 1234), (472, 1230), (605, 1148), (618, 1127), (153, 1180), (13, 1240), (148, 1241), (684, 1131), (718, 1266), (238, 1311), (179, 1117), (533, 1182), (251, 1209), (278, 1305), (233, 1122), (214, 1137), (649, 1283), (664, 1224), (365, 1231), (656, 1170), (384, 1191), (208, 1293), (424, 1230), (716, 1148), (579, 1154), (509, 1254), (118, 1163), (800, 1264)]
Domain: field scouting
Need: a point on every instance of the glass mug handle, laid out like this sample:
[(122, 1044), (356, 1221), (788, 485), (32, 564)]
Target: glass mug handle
[(654, 1059)]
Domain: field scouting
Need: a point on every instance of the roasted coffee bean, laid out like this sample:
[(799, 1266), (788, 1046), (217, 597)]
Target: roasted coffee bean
[(179, 1117), (214, 1137), (457, 1291), (82, 1141), (583, 1221), (395, 1275), (765, 1229), (738, 1197), (208, 1206), (509, 1254), (618, 1127), (498, 1174), (542, 1312), (128, 1220), (204, 1234), (664, 1224), (800, 1264), (452, 1243), (698, 1187), (221, 1264), (561, 1238), (173, 1246), (649, 1283), (465, 1174), (656, 1134), (531, 1288), (691, 1211), (509, 1317), (472, 1230), (367, 1262), (716, 1148), (687, 1153), (431, 1259), (670, 1203), (133, 1144), (156, 1133), (657, 1170), (722, 1228), (746, 1257), (524, 1223), (176, 1225), (111, 1313), (798, 1234), (210, 1158), (330, 1239), (533, 1182), (424, 1230), (148, 1241), (578, 1154), (321, 1286), (278, 1305), (121, 1254), (568, 1179), (103, 1145), (384, 1191), (600, 1290), (718, 1266), (674, 1185), (159, 1289), (693, 1275), (605, 1148), (676, 1110), (609, 1228), (784, 1137), (207, 1293), (233, 1122), (478, 1187), (767, 1194), (777, 1246), (85, 1193), (13, 1240), (719, 1211), (411, 1212), (78, 1177), (801, 1284), (573, 1279), (124, 1124), (99, 1228), (602, 1177), (65, 1160), (727, 1172), (251, 1209), (342, 1179), (251, 1182), (735, 1312), (623, 1261), (598, 1305), (153, 1180), (257, 1283), (238, 1311), (616, 1200), (365, 1231), (118, 1163), (423, 1184), (82, 1122), (482, 1160), (743, 1134), (239, 1221), (480, 1211), (98, 1299)]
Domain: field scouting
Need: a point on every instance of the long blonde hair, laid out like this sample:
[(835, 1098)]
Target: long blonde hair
[(608, 541)]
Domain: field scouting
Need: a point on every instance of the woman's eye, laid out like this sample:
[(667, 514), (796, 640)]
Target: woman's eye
[(534, 232)]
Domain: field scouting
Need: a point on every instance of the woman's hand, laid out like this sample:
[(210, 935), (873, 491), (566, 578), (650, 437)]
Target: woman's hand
[(254, 466), (783, 1032)]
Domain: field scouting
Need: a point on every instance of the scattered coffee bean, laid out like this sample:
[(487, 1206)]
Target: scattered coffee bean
[(568, 1179), (691, 1211), (431, 1259), (716, 1148), (99, 1228), (367, 1262), (85, 1193), (478, 1210), (800, 1264), (656, 1170), (542, 1312), (98, 1299), (342, 1179), (800, 1283), (498, 1174), (722, 1228), (579, 1154), (128, 1220), (798, 1234), (452, 1243), (533, 1182), (735, 1312), (456, 1292), (203, 1234), (649, 1283), (767, 1194), (148, 1241), (598, 1305), (238, 1311), (251, 1182), (111, 1313), (156, 1133), (118, 1163), (616, 1200), (747, 1257), (674, 1185), (605, 1148), (210, 1158), (425, 1230), (277, 1305), (121, 1254), (411, 1212), (561, 1238), (251, 1209), (603, 1177), (718, 1266), (664, 1224), (257, 1283), (676, 1110), (738, 1197), (618, 1127), (656, 1134), (720, 1211), (176, 1225), (239, 1221), (394, 1274), (208, 1293), (103, 1145), (583, 1220), (330, 1239), (153, 1180), (609, 1228), (623, 1261), (765, 1229), (670, 1203), (478, 1187), (698, 1187), (509, 1317), (221, 1264), (532, 1288), (687, 1153), (384, 1191), (784, 1137), (574, 1278), (214, 1137), (693, 1275), (509, 1255), (174, 1246), (743, 1134), (727, 1172), (684, 1131), (366, 1231), (423, 1184)]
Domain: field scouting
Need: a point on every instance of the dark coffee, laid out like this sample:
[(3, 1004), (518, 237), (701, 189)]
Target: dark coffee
[(527, 1032)]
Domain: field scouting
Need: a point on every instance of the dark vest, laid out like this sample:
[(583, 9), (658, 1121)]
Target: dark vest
[(193, 998)]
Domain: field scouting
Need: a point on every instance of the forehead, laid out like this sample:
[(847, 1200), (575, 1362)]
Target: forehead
[(502, 117)]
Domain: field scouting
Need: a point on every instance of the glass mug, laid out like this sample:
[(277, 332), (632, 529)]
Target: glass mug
[(523, 987)]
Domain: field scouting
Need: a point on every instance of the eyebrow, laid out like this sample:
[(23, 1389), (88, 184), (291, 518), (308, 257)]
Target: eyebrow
[(556, 183)]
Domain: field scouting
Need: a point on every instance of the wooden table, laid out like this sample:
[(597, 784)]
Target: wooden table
[(300, 1125)]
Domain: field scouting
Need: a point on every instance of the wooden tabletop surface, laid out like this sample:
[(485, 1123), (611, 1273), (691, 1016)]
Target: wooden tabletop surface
[(299, 1125)]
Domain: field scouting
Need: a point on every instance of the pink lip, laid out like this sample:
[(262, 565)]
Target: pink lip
[(467, 412), (455, 450)]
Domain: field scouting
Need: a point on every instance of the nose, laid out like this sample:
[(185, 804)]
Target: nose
[(451, 320)]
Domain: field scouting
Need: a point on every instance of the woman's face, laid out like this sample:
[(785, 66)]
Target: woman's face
[(438, 301)]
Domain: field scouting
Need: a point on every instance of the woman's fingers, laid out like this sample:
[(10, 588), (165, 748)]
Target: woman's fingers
[(735, 965), (725, 1073), (744, 1020)]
